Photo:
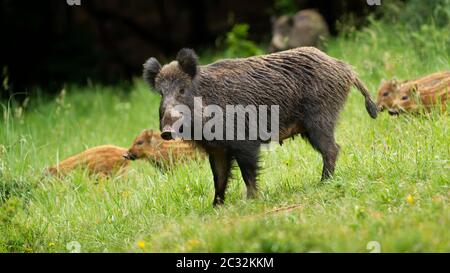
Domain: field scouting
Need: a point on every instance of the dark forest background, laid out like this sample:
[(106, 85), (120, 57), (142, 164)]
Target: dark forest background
[(49, 43)]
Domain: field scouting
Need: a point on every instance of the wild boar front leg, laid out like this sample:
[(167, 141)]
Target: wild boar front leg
[(247, 159), (220, 163)]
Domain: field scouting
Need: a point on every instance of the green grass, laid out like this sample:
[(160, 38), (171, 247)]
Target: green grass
[(381, 163)]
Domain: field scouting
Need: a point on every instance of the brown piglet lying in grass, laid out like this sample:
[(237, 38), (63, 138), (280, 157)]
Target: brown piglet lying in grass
[(102, 160), (413, 95), (107, 160)]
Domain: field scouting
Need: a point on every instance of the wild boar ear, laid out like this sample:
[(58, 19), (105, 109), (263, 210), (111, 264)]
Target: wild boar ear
[(394, 82), (148, 132), (144, 135), (151, 70), (148, 136), (187, 59)]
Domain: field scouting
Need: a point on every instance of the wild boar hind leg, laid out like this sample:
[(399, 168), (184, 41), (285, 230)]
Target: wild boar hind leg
[(321, 137)]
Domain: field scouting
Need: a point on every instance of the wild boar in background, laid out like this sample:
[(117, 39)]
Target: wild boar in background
[(305, 28), (309, 87)]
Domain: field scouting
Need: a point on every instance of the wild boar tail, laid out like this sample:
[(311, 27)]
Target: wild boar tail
[(370, 105)]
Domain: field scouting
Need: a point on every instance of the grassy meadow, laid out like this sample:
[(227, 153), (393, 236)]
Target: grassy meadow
[(391, 184)]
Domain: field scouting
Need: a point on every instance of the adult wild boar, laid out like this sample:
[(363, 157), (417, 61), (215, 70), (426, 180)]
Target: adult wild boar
[(308, 86), (305, 28)]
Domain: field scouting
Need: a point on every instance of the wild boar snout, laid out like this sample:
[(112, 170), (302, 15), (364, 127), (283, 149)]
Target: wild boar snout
[(279, 42), (171, 115), (167, 133), (129, 156)]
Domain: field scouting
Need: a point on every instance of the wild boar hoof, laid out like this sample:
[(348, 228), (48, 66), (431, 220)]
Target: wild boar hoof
[(252, 193), (218, 202)]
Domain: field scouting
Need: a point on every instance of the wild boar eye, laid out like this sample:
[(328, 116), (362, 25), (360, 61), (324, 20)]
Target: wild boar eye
[(140, 142), (404, 97), (385, 94), (181, 91)]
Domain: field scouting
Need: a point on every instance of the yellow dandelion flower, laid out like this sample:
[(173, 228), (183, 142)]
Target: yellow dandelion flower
[(51, 244), (410, 199), (193, 243), (141, 244)]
